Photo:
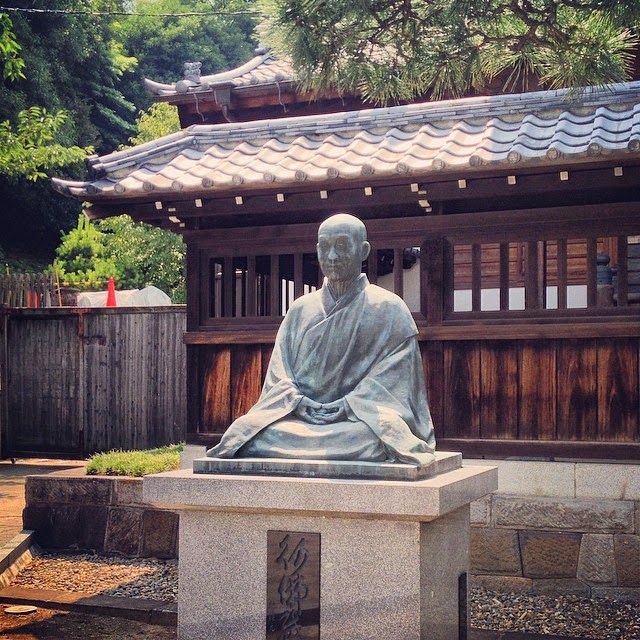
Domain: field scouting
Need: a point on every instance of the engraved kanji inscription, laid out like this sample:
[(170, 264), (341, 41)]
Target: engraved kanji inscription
[(293, 585)]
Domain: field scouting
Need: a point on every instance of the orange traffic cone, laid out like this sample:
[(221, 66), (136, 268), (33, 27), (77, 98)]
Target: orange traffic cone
[(111, 293)]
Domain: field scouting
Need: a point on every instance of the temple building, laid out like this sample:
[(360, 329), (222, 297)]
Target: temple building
[(510, 224)]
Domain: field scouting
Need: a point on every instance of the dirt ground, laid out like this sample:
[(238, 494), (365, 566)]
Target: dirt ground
[(47, 624)]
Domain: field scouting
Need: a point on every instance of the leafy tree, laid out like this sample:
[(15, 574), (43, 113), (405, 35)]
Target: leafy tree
[(81, 259), (72, 66), (135, 254), (145, 255), (159, 120), (71, 62), (29, 150), (395, 51), (12, 63), (221, 40)]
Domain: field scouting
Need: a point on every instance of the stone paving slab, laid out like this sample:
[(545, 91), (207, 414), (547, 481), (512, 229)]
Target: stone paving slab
[(139, 609), (12, 481)]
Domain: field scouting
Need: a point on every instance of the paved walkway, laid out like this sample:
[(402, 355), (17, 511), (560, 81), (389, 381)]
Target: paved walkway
[(12, 479)]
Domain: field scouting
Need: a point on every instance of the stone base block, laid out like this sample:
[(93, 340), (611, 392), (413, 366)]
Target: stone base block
[(297, 468), (393, 555)]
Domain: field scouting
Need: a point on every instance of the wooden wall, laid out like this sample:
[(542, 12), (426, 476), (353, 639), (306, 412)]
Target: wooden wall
[(565, 397), (86, 380), (541, 379)]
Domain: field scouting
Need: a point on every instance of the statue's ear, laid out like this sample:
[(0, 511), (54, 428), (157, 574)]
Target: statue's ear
[(366, 249)]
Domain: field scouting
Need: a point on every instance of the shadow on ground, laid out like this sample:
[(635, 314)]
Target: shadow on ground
[(56, 625)]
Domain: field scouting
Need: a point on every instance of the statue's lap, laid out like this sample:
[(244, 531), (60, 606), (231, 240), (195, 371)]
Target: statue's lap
[(294, 438)]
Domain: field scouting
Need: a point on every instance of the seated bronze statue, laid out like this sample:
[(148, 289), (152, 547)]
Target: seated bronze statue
[(345, 381)]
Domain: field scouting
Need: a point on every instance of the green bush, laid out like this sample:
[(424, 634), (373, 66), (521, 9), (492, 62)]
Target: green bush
[(135, 463)]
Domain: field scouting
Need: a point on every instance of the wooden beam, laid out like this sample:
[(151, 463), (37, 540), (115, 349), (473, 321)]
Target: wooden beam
[(484, 186), (504, 276), (547, 449)]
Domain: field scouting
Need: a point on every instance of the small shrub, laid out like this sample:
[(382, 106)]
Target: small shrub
[(135, 463)]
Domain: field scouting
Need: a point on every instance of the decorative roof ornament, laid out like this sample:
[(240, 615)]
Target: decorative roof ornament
[(191, 78)]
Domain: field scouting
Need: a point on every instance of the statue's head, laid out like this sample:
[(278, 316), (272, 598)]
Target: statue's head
[(342, 246)]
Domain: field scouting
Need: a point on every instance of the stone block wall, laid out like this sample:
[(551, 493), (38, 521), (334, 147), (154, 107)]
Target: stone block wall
[(559, 527), (70, 510), (552, 527)]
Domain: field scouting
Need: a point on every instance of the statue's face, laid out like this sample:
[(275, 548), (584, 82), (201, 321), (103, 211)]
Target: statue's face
[(341, 250)]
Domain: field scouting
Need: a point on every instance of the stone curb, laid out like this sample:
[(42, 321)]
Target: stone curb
[(15, 555), (138, 609), (166, 614), (18, 551)]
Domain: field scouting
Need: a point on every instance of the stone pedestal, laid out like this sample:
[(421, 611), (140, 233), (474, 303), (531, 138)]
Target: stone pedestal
[(392, 553)]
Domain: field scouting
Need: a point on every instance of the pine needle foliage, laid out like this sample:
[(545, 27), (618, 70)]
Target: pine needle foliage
[(399, 50)]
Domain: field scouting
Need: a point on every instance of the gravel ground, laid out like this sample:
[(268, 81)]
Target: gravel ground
[(115, 576), (593, 618), (597, 618)]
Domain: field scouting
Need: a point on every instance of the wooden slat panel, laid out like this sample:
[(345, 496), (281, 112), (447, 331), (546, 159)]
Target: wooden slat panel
[(562, 273), (298, 275), (473, 447), (251, 300), (618, 388), (623, 274), (532, 288), (135, 365), (229, 280), (498, 390), (462, 390), (476, 277), (433, 365), (44, 401), (592, 291), (97, 380), (431, 278), (274, 286), (246, 372), (215, 374), (537, 401), (194, 288), (574, 264), (504, 276), (398, 272), (448, 278), (577, 390), (372, 265), (194, 397), (205, 292)]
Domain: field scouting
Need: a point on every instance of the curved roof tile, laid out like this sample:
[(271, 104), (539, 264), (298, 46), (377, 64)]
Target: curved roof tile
[(262, 69), (449, 136)]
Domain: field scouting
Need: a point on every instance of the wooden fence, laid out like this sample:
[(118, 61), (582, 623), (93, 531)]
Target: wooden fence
[(32, 290), (77, 381)]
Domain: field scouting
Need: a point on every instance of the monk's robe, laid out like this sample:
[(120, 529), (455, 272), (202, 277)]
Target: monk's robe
[(361, 348)]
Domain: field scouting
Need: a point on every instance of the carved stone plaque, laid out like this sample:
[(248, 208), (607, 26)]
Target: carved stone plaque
[(293, 585)]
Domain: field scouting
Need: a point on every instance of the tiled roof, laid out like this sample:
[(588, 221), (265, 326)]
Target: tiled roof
[(263, 69), (544, 128)]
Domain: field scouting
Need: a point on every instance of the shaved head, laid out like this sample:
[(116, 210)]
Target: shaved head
[(342, 246), (346, 221)]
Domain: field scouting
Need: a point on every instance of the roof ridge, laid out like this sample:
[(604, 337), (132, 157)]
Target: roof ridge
[(159, 88), (461, 108)]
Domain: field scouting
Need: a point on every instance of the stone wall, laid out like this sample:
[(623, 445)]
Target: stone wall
[(70, 510), (559, 527), (552, 527)]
